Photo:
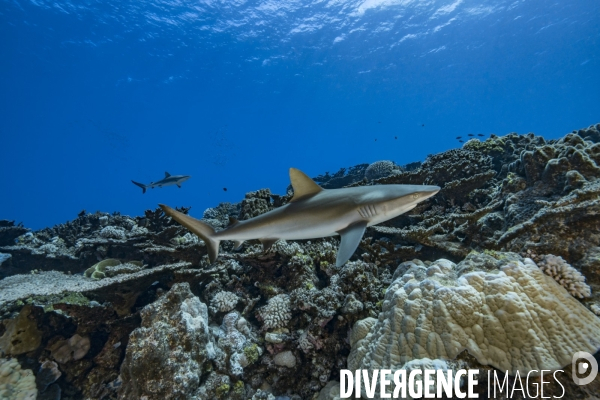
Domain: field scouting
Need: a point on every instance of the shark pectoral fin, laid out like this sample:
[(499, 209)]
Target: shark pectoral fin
[(167, 174), (179, 186), (267, 243), (351, 237), (238, 244), (303, 186)]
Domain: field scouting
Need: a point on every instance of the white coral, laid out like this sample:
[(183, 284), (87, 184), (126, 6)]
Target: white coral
[(277, 313), (112, 232), (515, 318), (566, 275), (16, 383), (223, 301)]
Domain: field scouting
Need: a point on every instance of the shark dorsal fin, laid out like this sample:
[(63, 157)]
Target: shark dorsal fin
[(167, 174), (303, 186)]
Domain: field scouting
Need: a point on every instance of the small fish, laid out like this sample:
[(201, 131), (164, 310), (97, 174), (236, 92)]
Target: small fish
[(224, 189), (375, 139), (459, 137), (422, 124), (470, 134), (378, 122), (166, 181), (395, 137), (461, 141), (480, 134)]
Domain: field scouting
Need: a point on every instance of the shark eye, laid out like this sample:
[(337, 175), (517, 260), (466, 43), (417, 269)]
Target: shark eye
[(415, 196)]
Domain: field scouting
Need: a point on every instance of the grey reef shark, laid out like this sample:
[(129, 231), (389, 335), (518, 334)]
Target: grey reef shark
[(166, 181), (314, 212)]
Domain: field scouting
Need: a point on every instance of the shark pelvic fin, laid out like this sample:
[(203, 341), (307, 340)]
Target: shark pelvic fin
[(238, 244), (267, 243), (204, 231), (167, 174), (351, 236), (303, 186)]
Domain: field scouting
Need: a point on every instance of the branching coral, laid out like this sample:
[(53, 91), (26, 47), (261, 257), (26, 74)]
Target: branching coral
[(277, 312), (223, 301)]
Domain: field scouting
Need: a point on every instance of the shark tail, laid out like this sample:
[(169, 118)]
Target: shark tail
[(204, 231), (144, 187)]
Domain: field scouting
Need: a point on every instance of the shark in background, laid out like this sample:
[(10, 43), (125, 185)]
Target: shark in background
[(168, 180), (314, 212)]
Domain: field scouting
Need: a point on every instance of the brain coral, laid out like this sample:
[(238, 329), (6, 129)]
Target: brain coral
[(511, 316)]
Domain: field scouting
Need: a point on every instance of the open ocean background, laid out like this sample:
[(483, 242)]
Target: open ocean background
[(94, 94)]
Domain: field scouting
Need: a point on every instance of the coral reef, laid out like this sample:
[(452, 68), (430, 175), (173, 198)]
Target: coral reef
[(109, 306)]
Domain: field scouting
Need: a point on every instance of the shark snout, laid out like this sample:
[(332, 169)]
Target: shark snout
[(430, 190)]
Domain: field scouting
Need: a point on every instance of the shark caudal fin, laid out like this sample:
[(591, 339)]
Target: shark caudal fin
[(144, 187), (204, 231)]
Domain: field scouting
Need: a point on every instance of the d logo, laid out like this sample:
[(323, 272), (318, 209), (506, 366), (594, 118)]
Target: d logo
[(583, 364)]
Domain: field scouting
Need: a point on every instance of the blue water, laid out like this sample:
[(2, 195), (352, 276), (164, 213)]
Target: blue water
[(96, 93)]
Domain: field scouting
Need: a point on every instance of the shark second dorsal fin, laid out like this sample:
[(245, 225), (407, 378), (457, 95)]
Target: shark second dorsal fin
[(167, 174), (233, 221), (303, 186)]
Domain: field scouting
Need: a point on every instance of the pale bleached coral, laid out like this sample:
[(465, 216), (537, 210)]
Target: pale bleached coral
[(223, 301), (285, 359), (567, 276), (16, 383), (113, 232), (512, 317), (277, 312)]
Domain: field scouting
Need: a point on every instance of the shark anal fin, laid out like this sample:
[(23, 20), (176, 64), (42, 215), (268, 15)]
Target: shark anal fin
[(238, 244), (167, 174), (351, 236), (303, 186), (267, 243)]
